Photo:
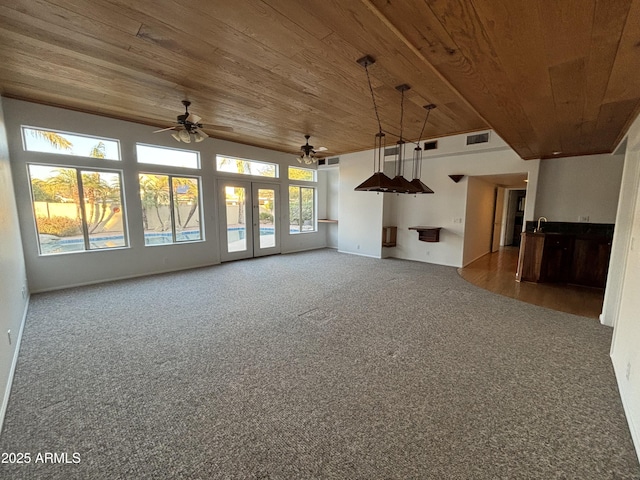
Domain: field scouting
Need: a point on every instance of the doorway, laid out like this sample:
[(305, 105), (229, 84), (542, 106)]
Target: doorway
[(249, 224), (515, 217)]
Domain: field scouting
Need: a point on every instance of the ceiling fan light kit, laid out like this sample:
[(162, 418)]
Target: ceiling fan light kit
[(379, 182)]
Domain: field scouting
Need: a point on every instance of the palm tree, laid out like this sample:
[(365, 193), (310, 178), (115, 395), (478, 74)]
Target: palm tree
[(98, 151), (65, 186), (185, 192), (55, 139), (154, 193), (98, 195)]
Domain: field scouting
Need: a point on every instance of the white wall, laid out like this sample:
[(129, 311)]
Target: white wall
[(359, 213), (478, 220), (580, 186), (12, 273), (57, 271), (625, 350), (621, 240)]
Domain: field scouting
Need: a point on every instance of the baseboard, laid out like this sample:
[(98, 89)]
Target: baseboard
[(360, 254), (123, 277), (635, 433), (477, 258), (14, 362)]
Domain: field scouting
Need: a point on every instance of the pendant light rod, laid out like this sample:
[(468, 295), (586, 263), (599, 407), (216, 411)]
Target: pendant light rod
[(378, 182), (429, 107)]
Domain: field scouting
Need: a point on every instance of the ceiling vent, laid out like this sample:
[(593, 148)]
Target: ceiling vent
[(328, 161), (391, 151), (430, 145), (479, 138)]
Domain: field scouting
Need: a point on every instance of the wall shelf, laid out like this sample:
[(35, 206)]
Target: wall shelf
[(327, 220), (427, 234)]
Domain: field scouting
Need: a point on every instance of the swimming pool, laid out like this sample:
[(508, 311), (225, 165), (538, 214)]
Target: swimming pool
[(50, 244)]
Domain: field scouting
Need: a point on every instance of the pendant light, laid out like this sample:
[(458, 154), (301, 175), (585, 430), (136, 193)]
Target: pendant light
[(417, 158), (378, 182), (399, 183)]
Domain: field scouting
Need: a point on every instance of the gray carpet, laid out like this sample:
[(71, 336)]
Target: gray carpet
[(316, 365)]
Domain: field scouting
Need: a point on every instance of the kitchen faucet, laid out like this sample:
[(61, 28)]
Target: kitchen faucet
[(539, 220)]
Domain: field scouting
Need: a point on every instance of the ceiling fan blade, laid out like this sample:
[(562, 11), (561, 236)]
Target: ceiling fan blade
[(322, 149), (193, 118), (220, 128), (164, 129)]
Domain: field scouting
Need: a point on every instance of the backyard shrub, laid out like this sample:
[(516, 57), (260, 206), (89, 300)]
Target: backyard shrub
[(58, 226), (266, 217)]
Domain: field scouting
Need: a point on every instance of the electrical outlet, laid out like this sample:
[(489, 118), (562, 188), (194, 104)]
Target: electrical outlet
[(583, 218), (24, 292), (9, 335), (628, 370)]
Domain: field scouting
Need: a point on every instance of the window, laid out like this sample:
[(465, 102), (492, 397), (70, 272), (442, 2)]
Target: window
[(170, 208), (77, 209), (302, 209), (304, 174), (246, 167), (172, 157), (52, 141)]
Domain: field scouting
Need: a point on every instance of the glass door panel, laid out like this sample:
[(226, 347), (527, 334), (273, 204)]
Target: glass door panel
[(266, 208), (265, 221), (236, 208), (236, 233)]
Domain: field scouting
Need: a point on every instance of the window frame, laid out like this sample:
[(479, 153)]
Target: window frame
[(62, 152), (174, 233), (164, 165), (84, 228), (242, 174), (314, 172), (314, 208)]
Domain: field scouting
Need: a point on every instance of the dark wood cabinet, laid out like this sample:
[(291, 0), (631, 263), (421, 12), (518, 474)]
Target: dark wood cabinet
[(560, 258), (556, 258), (530, 257), (590, 262)]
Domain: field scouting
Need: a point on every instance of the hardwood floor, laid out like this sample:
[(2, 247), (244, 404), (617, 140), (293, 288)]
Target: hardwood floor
[(496, 272)]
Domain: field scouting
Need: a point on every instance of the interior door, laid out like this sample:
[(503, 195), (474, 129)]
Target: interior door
[(249, 221), (497, 219)]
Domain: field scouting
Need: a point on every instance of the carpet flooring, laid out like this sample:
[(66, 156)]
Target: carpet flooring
[(316, 365)]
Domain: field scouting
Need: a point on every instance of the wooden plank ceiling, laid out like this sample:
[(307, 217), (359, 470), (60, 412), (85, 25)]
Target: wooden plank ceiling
[(553, 78)]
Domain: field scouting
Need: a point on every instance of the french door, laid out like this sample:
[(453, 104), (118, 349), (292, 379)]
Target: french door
[(250, 225)]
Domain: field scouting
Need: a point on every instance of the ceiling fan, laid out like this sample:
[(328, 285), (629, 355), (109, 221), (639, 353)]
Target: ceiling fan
[(188, 127), (307, 152)]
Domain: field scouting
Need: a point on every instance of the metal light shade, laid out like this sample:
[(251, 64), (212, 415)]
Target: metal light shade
[(417, 168), (378, 182), (402, 185), (422, 188)]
